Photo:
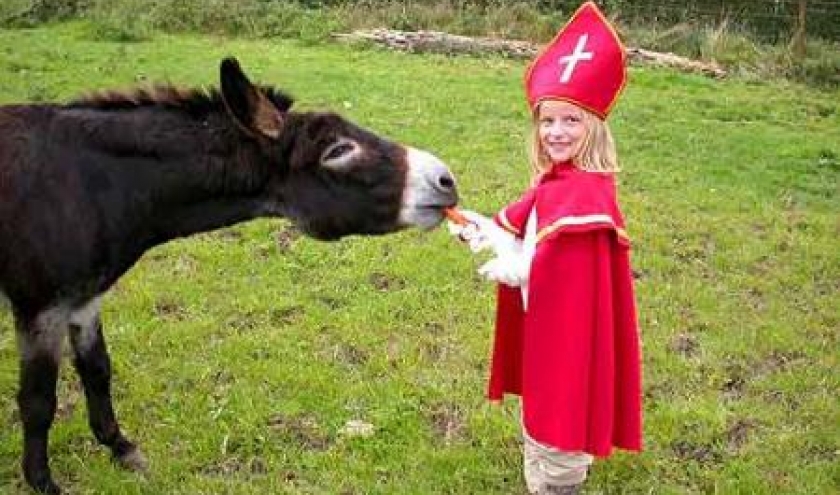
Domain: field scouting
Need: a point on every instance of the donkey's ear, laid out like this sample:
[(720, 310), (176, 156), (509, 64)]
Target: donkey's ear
[(247, 104)]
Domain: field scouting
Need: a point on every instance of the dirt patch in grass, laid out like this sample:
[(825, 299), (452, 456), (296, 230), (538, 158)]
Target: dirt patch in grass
[(331, 302), (386, 283), (659, 392), (227, 235), (167, 308), (778, 361), (433, 328), (738, 434), (733, 387), (447, 421), (286, 237), (248, 320), (300, 430), (702, 453), (756, 298), (236, 466), (823, 453), (432, 345), (684, 345), (786, 400), (286, 316), (738, 374), (741, 375), (350, 355), (393, 351), (434, 350)]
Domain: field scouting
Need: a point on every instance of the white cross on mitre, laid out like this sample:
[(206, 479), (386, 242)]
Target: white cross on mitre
[(572, 59)]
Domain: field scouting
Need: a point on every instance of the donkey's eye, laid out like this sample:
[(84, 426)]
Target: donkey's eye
[(339, 153)]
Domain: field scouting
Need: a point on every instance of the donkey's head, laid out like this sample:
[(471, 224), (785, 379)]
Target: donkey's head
[(332, 177)]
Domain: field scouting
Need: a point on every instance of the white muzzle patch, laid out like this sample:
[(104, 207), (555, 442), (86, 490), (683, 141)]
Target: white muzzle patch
[(429, 188)]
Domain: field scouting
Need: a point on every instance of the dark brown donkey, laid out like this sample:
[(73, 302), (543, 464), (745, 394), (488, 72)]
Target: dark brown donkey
[(87, 187)]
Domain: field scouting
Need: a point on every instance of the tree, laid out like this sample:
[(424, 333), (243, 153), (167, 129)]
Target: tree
[(797, 42)]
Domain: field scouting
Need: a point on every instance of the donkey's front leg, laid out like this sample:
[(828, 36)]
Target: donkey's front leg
[(39, 341), (91, 360)]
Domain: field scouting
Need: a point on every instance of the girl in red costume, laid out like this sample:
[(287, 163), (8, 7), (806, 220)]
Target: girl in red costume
[(566, 335)]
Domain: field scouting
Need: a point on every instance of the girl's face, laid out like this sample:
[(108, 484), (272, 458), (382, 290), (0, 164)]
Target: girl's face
[(561, 130)]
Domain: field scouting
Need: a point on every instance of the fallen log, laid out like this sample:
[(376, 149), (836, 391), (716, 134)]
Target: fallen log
[(440, 42), (640, 56)]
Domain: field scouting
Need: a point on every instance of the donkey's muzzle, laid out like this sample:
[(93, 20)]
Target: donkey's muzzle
[(430, 187)]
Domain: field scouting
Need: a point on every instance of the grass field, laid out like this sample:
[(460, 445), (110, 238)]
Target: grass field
[(241, 355)]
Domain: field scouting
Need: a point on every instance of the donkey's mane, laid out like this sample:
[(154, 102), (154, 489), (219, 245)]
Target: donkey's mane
[(195, 101)]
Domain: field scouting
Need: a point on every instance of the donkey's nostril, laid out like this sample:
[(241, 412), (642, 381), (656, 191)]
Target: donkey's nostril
[(430, 177), (446, 182)]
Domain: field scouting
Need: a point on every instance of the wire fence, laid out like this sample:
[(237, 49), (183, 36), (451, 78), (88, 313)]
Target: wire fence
[(770, 20)]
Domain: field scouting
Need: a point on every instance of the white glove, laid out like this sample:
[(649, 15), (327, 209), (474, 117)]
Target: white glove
[(511, 268), (482, 233)]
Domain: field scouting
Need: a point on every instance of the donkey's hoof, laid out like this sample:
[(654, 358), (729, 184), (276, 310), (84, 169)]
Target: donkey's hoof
[(51, 489), (134, 460), (46, 486)]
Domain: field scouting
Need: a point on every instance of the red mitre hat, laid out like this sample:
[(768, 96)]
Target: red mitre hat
[(584, 64)]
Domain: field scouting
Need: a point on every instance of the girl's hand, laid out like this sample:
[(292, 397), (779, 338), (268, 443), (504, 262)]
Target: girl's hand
[(464, 231), (511, 269), (481, 233), (511, 266)]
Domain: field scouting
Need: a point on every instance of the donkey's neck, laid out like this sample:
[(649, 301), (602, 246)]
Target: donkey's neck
[(191, 218), (209, 193), (179, 175)]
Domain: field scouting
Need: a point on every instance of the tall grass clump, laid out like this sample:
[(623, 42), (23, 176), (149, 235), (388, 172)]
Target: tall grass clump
[(31, 13), (243, 18), (740, 53)]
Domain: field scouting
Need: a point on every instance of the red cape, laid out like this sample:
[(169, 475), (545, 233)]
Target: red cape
[(574, 356)]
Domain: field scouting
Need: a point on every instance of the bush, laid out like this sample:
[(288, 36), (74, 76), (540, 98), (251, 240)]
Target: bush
[(662, 26)]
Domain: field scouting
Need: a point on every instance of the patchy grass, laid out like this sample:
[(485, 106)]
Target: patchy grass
[(242, 355)]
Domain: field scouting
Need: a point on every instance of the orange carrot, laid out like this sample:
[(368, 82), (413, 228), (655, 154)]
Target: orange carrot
[(455, 216)]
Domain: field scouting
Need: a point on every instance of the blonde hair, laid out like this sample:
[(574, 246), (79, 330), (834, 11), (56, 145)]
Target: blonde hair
[(597, 151)]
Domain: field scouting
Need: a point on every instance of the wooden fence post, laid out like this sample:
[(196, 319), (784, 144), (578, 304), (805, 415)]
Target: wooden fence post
[(798, 41)]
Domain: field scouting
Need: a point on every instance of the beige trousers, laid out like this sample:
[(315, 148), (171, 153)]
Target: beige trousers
[(546, 466)]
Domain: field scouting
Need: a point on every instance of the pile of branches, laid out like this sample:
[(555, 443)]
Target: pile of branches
[(439, 42)]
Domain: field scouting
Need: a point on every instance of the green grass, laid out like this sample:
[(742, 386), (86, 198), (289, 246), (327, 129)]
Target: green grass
[(240, 355)]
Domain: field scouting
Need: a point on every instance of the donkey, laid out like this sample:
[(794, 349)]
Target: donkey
[(87, 187)]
